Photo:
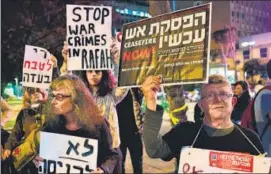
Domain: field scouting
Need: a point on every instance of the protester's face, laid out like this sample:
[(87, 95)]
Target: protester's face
[(217, 101), (94, 77), (238, 90), (36, 95), (61, 101)]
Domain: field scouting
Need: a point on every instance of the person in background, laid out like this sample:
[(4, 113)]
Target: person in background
[(258, 87), (30, 116), (130, 125), (63, 69), (27, 120), (262, 111), (6, 112), (198, 114), (130, 118), (241, 92)]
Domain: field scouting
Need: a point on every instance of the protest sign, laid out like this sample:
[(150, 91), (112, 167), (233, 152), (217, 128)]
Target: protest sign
[(174, 45), (89, 37), (37, 67), (67, 154), (193, 160)]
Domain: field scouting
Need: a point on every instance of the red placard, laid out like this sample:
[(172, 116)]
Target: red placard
[(234, 161)]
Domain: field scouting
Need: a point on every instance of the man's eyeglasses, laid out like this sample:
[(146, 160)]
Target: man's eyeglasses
[(222, 96), (59, 97)]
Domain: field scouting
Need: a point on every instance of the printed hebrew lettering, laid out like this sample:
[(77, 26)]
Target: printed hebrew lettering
[(79, 168), (72, 147), (34, 63), (89, 147), (41, 66), (46, 81), (25, 75), (27, 63)]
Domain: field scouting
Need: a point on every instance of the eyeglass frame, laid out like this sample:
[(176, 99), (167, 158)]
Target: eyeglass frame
[(213, 95), (52, 96)]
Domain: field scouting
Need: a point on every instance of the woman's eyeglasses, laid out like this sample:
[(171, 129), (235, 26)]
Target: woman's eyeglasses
[(59, 97)]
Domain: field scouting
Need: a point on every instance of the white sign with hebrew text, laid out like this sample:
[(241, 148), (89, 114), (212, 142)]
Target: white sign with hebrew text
[(67, 154)]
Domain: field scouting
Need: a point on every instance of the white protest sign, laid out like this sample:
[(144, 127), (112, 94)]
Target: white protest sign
[(89, 37), (67, 154), (37, 67), (193, 160)]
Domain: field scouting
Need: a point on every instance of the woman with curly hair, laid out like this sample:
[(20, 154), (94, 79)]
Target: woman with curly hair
[(71, 110), (102, 85)]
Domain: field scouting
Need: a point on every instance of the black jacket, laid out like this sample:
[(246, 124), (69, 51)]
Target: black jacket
[(26, 121), (240, 106)]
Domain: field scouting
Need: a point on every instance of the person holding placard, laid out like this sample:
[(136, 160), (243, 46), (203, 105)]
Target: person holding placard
[(71, 110), (102, 85), (28, 119), (215, 132)]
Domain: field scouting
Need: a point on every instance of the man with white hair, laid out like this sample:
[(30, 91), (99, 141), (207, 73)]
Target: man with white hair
[(215, 132)]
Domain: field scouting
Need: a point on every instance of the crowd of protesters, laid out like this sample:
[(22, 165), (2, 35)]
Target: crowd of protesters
[(89, 104)]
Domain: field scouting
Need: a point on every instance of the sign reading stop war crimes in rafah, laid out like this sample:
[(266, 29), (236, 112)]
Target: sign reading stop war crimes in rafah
[(37, 67), (193, 160), (174, 45), (89, 37), (67, 154)]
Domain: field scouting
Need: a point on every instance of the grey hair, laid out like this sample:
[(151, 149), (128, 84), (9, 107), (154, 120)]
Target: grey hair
[(215, 79)]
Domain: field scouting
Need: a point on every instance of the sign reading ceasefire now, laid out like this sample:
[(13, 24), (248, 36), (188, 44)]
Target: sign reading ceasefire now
[(174, 45)]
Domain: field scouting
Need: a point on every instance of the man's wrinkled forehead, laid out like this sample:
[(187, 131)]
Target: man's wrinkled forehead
[(225, 87)]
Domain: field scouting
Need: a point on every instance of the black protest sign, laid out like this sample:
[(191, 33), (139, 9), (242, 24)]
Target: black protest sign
[(89, 37), (174, 45)]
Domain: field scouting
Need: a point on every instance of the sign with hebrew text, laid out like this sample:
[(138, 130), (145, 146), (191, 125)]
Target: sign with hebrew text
[(67, 154), (174, 45), (193, 160), (37, 67)]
